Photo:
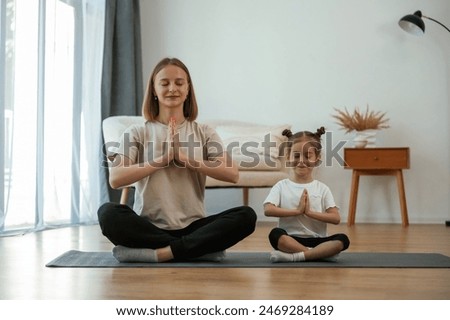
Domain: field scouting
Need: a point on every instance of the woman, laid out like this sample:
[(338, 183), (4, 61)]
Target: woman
[(167, 159)]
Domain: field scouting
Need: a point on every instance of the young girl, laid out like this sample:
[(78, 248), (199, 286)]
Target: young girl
[(303, 205)]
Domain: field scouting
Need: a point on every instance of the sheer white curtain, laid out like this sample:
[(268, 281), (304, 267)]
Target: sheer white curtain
[(50, 113)]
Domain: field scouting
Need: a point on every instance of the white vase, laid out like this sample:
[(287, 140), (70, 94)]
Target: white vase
[(365, 138)]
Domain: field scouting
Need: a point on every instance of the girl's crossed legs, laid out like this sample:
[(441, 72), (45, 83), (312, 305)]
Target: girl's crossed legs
[(293, 248)]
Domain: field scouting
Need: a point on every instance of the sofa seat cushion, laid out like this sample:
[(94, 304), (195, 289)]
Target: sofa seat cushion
[(251, 179), (257, 162), (250, 139)]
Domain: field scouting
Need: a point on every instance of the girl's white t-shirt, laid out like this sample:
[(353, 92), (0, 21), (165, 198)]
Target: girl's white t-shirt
[(286, 194)]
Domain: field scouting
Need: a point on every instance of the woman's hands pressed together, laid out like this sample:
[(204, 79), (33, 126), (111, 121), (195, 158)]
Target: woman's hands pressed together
[(175, 152)]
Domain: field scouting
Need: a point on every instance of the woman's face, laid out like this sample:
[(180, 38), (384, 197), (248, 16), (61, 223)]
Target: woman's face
[(171, 86)]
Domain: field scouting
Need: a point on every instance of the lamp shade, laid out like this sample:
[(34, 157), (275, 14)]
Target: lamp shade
[(413, 23)]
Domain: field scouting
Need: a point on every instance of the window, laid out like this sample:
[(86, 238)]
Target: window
[(44, 168)]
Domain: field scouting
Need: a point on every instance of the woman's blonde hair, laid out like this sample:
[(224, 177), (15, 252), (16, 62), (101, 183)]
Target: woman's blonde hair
[(150, 105)]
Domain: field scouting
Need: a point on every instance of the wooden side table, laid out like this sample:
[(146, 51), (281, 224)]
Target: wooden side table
[(376, 161)]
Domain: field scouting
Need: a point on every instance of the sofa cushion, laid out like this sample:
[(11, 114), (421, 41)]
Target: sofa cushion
[(259, 162), (250, 179), (250, 139)]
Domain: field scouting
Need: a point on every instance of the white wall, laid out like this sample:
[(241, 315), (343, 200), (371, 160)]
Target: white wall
[(273, 61)]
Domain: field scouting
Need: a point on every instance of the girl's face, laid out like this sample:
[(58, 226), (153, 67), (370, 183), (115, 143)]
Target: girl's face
[(171, 86), (303, 158)]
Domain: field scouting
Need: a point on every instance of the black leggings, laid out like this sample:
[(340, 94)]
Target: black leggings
[(122, 226), (309, 242)]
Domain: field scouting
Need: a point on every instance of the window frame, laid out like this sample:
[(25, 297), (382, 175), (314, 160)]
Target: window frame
[(40, 103)]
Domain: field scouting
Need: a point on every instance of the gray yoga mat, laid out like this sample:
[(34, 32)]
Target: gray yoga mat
[(81, 259)]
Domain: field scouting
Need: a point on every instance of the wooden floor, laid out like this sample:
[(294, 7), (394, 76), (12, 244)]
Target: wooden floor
[(23, 274)]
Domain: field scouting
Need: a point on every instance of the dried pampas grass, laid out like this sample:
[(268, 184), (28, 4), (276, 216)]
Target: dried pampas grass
[(359, 121)]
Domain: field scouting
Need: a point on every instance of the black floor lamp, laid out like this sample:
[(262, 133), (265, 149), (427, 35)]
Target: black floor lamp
[(413, 23)]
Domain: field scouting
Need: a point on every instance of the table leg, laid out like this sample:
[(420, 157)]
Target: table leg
[(402, 196), (353, 198)]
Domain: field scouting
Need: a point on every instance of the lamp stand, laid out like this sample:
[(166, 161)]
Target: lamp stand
[(436, 22)]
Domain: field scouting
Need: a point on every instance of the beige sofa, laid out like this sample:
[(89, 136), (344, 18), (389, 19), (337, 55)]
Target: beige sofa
[(254, 147)]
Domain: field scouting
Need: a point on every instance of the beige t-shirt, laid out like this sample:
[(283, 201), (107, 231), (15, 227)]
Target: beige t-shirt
[(170, 198)]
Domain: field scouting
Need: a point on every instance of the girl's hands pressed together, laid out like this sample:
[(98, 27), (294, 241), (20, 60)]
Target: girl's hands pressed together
[(331, 215), (307, 203), (302, 203), (304, 206)]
